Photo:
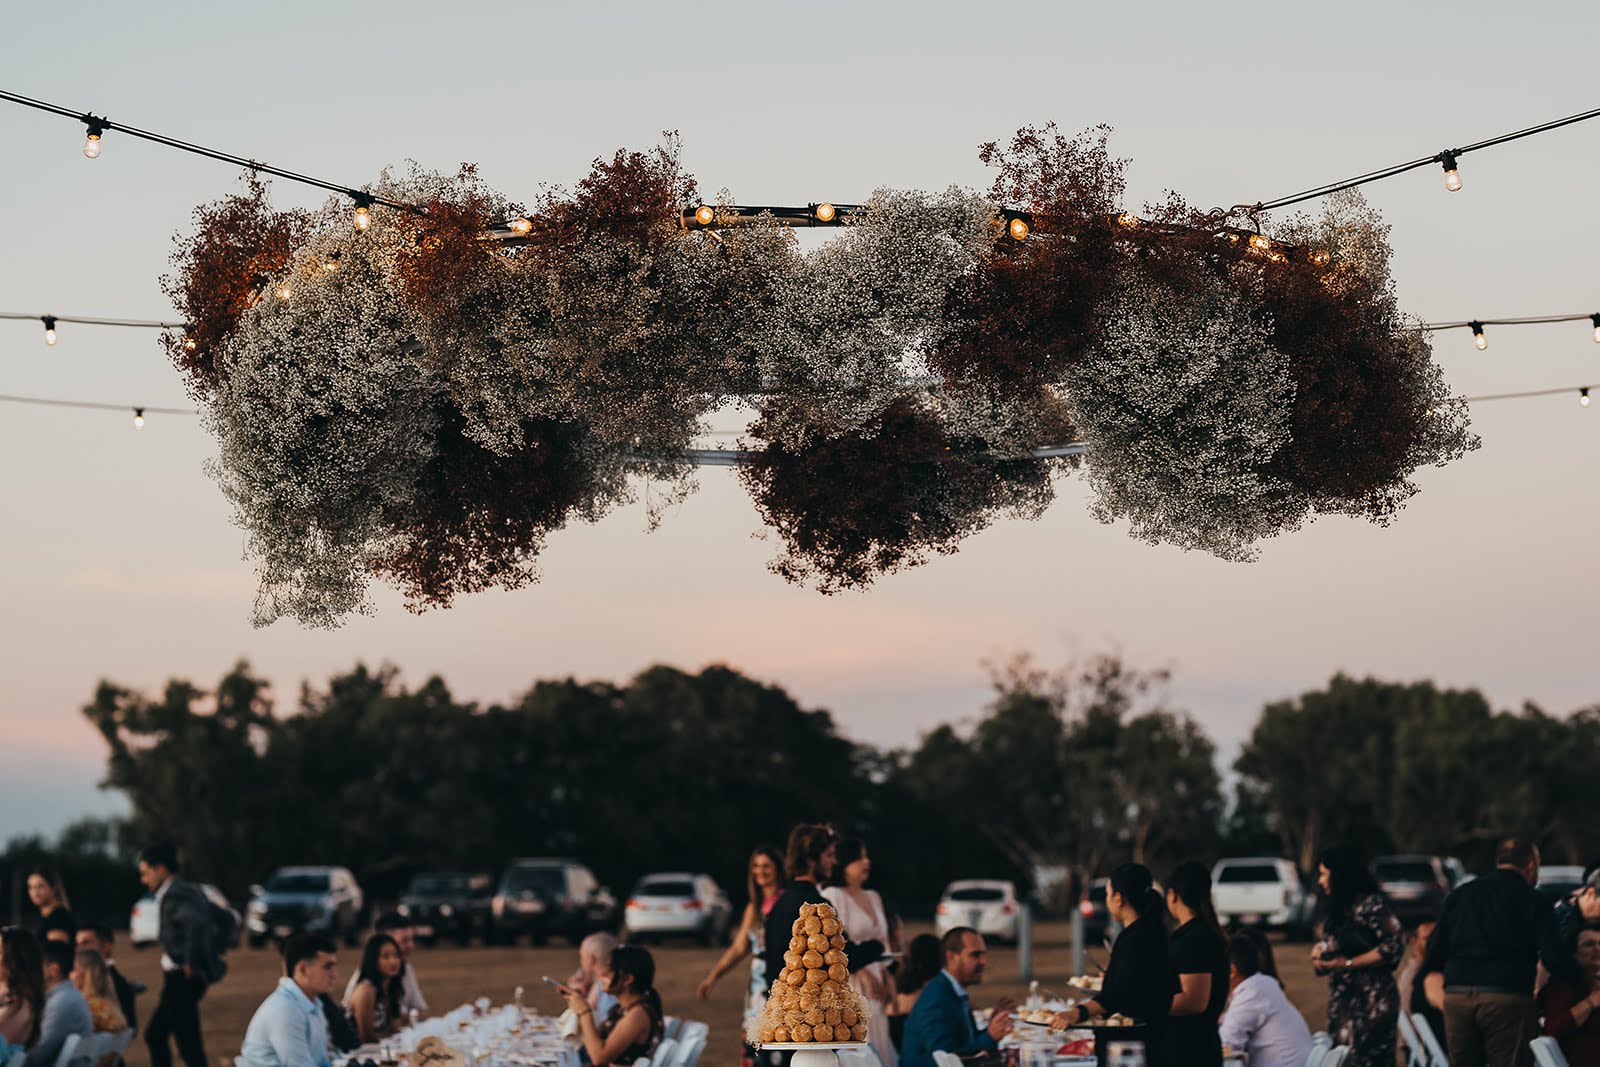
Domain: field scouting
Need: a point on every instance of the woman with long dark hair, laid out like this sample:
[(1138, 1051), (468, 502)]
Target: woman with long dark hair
[(1138, 982), (635, 1025), (764, 885), (861, 912), (21, 986), (1200, 958), (48, 894), (810, 859), (1361, 945), (374, 1005), (923, 961)]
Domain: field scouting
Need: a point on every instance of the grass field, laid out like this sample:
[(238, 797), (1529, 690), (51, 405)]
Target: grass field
[(452, 976)]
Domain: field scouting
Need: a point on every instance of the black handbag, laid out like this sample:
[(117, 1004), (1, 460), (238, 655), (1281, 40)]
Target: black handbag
[(1354, 939)]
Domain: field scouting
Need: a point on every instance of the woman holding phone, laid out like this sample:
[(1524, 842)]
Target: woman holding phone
[(635, 1024)]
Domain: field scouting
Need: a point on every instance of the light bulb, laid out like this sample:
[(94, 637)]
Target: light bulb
[(190, 343), (705, 215), (1320, 257), (1583, 396), (1019, 229), (284, 292), (49, 329), (1477, 335), (1452, 176), (1596, 320), (363, 218), (826, 212), (522, 227), (138, 418), (91, 147), (1130, 221), (1260, 243)]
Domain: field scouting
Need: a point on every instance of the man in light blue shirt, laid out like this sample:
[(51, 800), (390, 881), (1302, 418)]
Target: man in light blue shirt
[(65, 1011), (288, 1030)]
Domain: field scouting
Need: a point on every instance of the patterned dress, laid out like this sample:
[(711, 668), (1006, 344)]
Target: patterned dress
[(1364, 1003)]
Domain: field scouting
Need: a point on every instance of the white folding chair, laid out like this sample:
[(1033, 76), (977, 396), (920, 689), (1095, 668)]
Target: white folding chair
[(1320, 1044), (690, 1029), (69, 1049), (859, 1056), (123, 1040), (1547, 1052), (1416, 1051), (17, 1058), (664, 1053), (92, 1048), (946, 1059), (671, 1027), (1336, 1056), (1430, 1040), (690, 1048)]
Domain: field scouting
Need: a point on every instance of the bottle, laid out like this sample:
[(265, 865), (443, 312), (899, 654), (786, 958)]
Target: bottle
[(1125, 1054)]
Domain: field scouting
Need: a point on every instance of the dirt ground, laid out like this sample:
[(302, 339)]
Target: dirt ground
[(452, 976)]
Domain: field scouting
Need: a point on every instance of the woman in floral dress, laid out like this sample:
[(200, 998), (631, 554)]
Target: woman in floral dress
[(1361, 945)]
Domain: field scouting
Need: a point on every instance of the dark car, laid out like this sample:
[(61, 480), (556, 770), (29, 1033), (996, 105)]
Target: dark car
[(1096, 916), (319, 900), (541, 898), (448, 904), (1415, 885)]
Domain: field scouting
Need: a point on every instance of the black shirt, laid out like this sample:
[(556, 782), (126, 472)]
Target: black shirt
[(1140, 984), (127, 996), (1194, 1040), (60, 919), (1493, 932)]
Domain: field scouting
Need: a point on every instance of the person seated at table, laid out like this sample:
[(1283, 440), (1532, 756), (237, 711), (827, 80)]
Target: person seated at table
[(93, 979), (288, 1030), (374, 1007), (21, 987), (65, 1011), (1139, 980), (635, 1024), (1572, 1012), (1259, 1020), (594, 961), (941, 1020), (342, 1036), (100, 938), (924, 957), (398, 927)]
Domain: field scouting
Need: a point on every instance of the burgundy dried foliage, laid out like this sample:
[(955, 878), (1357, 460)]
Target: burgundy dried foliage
[(856, 506), (1023, 320), (478, 520), (637, 198), (238, 243), (448, 255)]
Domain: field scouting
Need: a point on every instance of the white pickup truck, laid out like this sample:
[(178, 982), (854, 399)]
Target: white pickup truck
[(1263, 892)]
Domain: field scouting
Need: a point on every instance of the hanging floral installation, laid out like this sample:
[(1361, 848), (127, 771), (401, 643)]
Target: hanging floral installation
[(415, 400)]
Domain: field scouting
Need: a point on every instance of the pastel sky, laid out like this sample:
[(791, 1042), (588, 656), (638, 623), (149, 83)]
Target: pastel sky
[(118, 559)]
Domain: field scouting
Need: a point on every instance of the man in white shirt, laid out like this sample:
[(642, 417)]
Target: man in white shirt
[(1259, 1019), (289, 1030)]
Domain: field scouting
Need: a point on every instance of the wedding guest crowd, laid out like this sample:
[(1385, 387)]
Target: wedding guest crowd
[(66, 1013)]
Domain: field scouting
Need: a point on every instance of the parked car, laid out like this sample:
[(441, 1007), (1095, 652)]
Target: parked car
[(144, 925), (1097, 922), (988, 906), (322, 900), (545, 897), (1558, 882), (1459, 875), (1263, 891), (1415, 885), (448, 904), (665, 905)]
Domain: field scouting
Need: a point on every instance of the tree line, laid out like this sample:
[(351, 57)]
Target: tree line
[(1070, 770)]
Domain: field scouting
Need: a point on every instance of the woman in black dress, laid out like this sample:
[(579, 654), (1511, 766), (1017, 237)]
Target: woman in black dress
[(49, 895), (1200, 958), (1138, 982), (1361, 946), (810, 858)]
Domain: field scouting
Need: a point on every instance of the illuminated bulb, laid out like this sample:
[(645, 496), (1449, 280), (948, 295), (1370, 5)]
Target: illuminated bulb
[(91, 147), (1128, 220), (1477, 335), (1583, 396), (522, 227), (1452, 177), (1596, 320), (190, 343), (1260, 243), (49, 329), (1320, 257), (1019, 229), (704, 215), (825, 212), (138, 418), (284, 292), (363, 217)]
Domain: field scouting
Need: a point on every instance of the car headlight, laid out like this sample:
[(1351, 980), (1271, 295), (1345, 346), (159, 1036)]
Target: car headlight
[(404, 909), (446, 910), (258, 907)]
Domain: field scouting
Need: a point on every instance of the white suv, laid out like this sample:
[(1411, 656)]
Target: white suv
[(1262, 891), (989, 907)]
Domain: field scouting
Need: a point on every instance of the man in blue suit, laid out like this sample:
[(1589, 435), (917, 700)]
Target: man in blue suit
[(941, 1020)]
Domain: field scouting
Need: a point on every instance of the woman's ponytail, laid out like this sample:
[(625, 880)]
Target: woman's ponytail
[(1133, 882)]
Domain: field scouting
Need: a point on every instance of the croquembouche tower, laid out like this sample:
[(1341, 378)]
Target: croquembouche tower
[(811, 1007)]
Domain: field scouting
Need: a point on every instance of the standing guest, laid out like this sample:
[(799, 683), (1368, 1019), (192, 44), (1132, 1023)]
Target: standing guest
[(1139, 981), (65, 1011), (635, 1024), (189, 959), (100, 939), (1259, 1020), (594, 964), (1200, 958), (1572, 1012), (47, 893), (810, 858), (93, 980), (21, 986), (404, 934), (1413, 990), (861, 912), (765, 885), (1484, 954), (942, 1019), (1361, 945), (374, 1007), (289, 1029), (924, 958)]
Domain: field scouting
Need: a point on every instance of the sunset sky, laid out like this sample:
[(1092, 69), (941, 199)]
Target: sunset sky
[(120, 560)]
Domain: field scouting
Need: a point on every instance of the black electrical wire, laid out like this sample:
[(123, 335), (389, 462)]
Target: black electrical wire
[(1531, 320), (1581, 390), (1401, 168), (88, 405), (143, 324)]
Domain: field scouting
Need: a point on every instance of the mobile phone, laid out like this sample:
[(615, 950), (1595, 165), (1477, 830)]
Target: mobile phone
[(555, 983)]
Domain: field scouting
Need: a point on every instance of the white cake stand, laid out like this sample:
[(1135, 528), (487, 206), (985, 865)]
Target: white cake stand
[(813, 1053)]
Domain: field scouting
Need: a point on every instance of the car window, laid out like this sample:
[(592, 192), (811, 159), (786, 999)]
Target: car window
[(550, 881), (1238, 873), (976, 894), (664, 887), (298, 882), (1404, 871), (438, 884)]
